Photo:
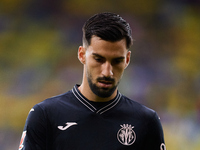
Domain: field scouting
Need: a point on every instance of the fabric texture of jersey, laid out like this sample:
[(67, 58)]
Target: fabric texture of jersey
[(71, 122)]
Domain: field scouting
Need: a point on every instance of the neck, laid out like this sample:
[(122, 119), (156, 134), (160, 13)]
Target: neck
[(87, 92)]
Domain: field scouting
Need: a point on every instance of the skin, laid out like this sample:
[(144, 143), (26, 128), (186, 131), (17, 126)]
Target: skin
[(102, 60)]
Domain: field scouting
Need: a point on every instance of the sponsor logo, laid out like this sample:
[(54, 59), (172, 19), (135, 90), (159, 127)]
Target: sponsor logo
[(68, 124), (126, 135), (22, 140)]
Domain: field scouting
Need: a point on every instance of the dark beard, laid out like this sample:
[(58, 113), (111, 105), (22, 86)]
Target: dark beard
[(101, 92)]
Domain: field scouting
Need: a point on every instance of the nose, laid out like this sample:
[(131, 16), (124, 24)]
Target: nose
[(107, 70)]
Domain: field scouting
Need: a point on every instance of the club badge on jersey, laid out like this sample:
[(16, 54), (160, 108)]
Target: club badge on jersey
[(126, 135)]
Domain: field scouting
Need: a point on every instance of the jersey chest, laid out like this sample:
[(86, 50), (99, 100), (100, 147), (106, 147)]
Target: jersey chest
[(89, 130)]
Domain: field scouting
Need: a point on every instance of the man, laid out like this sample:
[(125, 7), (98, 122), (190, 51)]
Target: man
[(95, 115)]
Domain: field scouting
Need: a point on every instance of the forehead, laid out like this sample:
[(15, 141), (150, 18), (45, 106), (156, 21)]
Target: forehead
[(107, 48)]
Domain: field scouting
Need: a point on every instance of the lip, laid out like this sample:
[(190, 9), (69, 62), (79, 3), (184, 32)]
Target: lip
[(105, 84)]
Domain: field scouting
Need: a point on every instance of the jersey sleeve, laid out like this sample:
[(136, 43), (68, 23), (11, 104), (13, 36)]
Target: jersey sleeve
[(34, 133), (155, 136)]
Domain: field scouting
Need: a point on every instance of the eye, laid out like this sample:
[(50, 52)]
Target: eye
[(99, 59), (117, 61)]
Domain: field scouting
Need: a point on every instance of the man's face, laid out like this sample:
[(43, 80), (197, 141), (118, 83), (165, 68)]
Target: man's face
[(104, 65)]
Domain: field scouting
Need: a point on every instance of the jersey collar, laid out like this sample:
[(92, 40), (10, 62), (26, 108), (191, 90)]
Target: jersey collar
[(91, 106)]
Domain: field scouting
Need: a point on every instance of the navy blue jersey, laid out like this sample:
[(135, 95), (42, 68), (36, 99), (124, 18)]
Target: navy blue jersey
[(71, 122)]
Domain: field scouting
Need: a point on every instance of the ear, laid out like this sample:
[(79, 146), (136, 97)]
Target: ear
[(81, 54), (128, 59)]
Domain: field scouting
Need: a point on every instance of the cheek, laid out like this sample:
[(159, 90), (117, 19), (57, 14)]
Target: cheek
[(92, 70), (118, 72), (93, 66)]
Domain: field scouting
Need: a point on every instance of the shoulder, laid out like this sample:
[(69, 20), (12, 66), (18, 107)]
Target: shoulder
[(55, 101), (141, 113), (52, 105), (137, 109)]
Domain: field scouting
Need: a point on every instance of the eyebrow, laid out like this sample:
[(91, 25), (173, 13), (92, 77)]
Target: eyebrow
[(95, 54)]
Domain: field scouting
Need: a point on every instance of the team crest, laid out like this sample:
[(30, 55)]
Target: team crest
[(126, 135)]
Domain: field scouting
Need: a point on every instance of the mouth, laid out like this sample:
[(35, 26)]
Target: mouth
[(105, 84)]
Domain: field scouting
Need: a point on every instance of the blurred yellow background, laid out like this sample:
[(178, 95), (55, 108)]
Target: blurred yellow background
[(39, 40)]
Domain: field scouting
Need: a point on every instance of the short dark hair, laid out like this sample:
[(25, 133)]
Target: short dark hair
[(107, 26)]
